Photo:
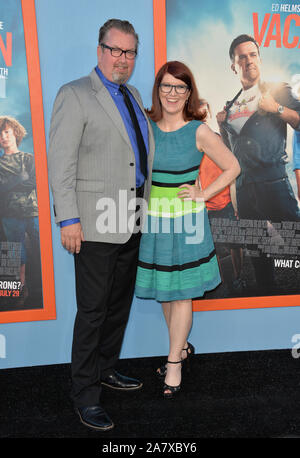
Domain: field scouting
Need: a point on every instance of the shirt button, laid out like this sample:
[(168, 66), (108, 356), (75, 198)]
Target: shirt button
[(131, 163)]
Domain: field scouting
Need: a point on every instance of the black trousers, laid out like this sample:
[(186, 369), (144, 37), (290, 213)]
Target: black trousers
[(105, 279)]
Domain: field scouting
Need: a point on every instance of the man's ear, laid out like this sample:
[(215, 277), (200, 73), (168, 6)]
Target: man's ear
[(99, 51), (233, 69)]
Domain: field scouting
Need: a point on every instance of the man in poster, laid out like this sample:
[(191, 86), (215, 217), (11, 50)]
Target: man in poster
[(254, 126)]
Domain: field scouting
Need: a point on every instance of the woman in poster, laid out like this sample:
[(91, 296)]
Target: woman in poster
[(19, 209), (177, 260)]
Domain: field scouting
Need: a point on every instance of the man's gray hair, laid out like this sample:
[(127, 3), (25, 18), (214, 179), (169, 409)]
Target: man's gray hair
[(123, 26)]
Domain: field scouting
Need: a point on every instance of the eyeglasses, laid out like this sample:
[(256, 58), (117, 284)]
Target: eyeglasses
[(179, 88), (117, 52)]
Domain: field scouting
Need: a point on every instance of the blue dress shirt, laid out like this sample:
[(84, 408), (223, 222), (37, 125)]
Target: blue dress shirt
[(117, 97)]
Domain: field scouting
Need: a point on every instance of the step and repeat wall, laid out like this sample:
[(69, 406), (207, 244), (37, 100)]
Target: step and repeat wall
[(46, 43)]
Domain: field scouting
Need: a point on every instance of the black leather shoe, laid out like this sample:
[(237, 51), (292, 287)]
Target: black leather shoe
[(120, 382), (95, 417)]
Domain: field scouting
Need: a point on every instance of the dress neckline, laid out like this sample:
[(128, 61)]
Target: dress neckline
[(176, 130)]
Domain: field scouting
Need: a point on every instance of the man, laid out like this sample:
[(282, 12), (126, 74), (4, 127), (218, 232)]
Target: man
[(95, 157), (254, 126)]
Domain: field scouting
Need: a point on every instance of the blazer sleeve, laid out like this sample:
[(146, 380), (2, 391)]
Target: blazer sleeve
[(67, 125)]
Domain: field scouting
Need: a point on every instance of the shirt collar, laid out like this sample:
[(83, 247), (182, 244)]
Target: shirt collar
[(110, 85)]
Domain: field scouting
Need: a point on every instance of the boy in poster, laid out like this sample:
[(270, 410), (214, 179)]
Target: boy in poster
[(19, 208)]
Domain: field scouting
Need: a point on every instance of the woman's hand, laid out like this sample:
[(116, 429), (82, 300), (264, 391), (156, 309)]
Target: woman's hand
[(191, 192)]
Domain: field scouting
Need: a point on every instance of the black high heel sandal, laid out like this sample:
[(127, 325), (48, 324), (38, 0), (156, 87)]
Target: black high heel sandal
[(172, 389), (190, 350), (161, 371)]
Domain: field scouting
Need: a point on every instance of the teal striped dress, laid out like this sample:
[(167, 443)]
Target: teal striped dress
[(177, 258)]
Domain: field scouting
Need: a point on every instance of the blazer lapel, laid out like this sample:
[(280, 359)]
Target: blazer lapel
[(105, 100)]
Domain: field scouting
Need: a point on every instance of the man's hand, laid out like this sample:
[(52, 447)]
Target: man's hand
[(221, 116), (71, 237), (268, 103)]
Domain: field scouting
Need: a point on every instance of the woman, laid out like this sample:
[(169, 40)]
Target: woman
[(177, 260)]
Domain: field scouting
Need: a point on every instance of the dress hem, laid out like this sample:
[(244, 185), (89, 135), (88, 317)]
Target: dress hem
[(177, 295)]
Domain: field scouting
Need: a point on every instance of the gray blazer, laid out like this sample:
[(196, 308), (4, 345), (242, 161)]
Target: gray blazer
[(91, 159)]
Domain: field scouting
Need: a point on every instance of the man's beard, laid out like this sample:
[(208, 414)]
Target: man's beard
[(119, 77)]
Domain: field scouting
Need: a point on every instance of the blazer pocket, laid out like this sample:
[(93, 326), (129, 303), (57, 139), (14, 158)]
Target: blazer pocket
[(89, 185)]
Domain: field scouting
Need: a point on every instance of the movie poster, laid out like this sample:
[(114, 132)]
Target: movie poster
[(256, 225), (21, 282)]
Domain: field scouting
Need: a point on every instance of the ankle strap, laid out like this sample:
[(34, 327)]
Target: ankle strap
[(174, 362)]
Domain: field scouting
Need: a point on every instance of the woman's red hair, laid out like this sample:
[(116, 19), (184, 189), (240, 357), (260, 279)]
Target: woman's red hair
[(182, 72)]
